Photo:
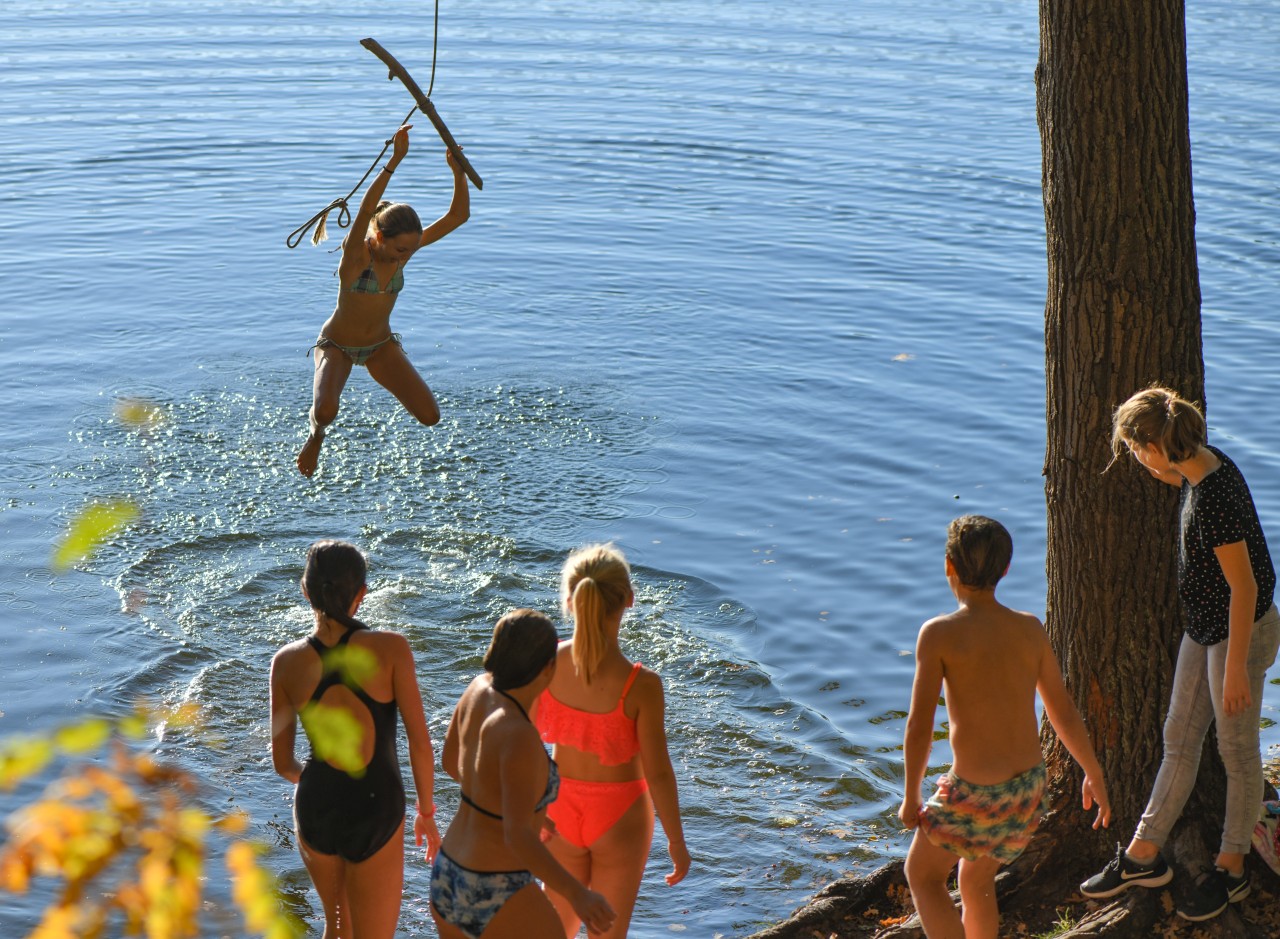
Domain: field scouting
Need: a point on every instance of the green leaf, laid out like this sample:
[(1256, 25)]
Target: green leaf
[(95, 524)]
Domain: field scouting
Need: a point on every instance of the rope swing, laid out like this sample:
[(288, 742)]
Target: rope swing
[(423, 104)]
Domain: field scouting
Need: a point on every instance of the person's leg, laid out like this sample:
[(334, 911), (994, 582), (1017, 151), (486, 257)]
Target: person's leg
[(333, 368), (374, 890), (1190, 713), (391, 369), (978, 898), (1238, 742), (928, 868), (527, 915), (328, 874), (618, 859), (577, 861)]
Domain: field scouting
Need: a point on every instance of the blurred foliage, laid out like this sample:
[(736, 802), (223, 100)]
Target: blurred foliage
[(90, 528), (336, 734), (121, 840)]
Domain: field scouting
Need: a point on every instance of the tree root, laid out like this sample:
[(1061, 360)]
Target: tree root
[(878, 906)]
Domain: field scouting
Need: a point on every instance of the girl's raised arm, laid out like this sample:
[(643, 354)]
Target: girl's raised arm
[(359, 229), (459, 208), (652, 731)]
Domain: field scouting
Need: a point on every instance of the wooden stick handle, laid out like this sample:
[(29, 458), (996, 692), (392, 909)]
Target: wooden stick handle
[(397, 70)]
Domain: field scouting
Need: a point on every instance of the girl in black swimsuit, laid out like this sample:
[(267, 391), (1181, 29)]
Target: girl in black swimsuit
[(349, 808)]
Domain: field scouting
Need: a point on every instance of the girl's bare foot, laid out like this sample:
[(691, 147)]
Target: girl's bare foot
[(309, 455)]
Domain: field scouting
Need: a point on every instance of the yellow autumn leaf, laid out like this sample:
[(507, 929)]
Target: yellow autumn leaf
[(83, 737), (336, 737), (94, 525), (237, 823), (21, 758)]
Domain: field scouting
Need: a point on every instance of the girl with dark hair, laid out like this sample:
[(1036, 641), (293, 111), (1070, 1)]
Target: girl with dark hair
[(383, 236), (349, 807), (483, 880)]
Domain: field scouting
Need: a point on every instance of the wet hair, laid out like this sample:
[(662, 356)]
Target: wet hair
[(395, 218), (1159, 416), (594, 585), (334, 574), (524, 641), (980, 549)]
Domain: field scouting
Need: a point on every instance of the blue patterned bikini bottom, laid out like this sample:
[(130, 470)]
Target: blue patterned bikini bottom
[(469, 899)]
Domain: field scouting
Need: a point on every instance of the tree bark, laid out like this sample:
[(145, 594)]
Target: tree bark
[(1122, 312)]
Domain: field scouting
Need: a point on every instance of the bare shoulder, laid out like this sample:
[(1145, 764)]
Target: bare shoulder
[(287, 654), (1030, 624), (936, 633), (647, 688)]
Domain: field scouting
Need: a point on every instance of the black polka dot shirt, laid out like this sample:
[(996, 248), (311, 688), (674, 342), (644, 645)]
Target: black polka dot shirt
[(1216, 512)]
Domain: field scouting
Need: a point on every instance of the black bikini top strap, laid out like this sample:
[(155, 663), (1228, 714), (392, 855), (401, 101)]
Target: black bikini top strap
[(515, 702), (483, 811)]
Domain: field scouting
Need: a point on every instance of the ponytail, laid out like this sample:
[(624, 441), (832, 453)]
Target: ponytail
[(595, 585), (589, 614)]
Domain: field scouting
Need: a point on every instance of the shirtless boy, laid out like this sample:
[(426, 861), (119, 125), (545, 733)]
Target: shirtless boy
[(993, 661)]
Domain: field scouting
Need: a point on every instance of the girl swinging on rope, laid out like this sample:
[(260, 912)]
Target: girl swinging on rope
[(382, 238)]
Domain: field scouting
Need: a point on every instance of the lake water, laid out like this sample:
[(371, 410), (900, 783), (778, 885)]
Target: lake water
[(754, 290)]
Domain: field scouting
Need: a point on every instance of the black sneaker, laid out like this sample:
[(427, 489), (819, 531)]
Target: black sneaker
[(1237, 887), (1208, 896), (1121, 873)]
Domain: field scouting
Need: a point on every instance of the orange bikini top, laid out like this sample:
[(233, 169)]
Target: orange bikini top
[(611, 736)]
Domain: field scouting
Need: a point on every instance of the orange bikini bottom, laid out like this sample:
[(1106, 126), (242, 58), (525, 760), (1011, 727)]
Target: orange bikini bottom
[(586, 810)]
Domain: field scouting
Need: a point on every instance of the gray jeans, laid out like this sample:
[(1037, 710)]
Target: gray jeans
[(1195, 703)]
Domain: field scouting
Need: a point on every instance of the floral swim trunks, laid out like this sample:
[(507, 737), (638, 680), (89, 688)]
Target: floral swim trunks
[(994, 821)]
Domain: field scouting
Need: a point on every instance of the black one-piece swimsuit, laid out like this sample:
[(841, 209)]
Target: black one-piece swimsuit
[(336, 813)]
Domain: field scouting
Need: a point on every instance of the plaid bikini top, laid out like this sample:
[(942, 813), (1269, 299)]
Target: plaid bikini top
[(367, 282)]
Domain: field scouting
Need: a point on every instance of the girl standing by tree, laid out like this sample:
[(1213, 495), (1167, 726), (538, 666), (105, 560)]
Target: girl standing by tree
[(1226, 583)]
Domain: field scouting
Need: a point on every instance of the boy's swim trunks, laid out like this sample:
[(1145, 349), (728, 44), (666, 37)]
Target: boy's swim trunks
[(994, 821)]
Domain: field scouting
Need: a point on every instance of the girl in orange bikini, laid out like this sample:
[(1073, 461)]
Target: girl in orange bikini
[(383, 236), (605, 716)]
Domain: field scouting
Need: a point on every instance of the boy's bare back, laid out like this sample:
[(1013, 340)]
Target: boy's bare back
[(990, 659)]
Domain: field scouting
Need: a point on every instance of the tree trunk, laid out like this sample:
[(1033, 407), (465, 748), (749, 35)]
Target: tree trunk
[(1122, 312)]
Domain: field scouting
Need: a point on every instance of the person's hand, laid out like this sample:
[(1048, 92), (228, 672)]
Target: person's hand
[(680, 862), (909, 811), (1235, 691), (1094, 791), (424, 826), (400, 142), (454, 163), (594, 910)]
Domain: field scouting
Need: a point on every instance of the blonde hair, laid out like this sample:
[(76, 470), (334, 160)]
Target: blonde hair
[(1159, 416), (595, 584)]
